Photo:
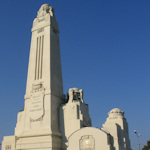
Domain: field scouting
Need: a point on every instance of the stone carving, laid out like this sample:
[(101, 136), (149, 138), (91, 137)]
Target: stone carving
[(37, 87), (45, 9), (36, 110), (40, 30), (36, 103), (70, 95), (8, 147), (45, 15), (40, 119), (87, 142), (81, 94)]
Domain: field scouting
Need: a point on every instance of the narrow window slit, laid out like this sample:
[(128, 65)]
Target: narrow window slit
[(42, 55), (36, 60), (39, 57)]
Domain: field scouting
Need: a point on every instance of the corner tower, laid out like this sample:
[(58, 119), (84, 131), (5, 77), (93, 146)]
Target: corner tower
[(116, 125), (38, 124)]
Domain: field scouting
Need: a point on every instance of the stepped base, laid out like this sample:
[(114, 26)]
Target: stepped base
[(31, 143)]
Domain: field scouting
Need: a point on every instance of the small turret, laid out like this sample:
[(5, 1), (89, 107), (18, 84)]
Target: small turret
[(74, 114), (117, 126)]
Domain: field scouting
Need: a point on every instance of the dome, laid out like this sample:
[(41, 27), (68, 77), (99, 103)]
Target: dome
[(116, 112)]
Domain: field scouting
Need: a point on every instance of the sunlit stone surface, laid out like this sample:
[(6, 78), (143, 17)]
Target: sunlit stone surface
[(49, 121)]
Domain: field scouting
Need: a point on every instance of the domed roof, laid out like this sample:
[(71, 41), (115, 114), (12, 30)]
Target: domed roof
[(116, 110), (115, 113)]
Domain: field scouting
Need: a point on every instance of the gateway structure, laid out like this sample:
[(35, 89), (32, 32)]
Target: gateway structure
[(49, 121)]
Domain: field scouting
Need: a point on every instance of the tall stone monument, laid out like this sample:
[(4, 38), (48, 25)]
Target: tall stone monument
[(38, 124), (48, 120)]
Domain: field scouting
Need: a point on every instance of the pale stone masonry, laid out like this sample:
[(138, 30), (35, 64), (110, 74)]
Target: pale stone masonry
[(49, 121)]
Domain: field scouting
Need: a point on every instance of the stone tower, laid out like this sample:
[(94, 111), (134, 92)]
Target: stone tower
[(117, 126), (38, 124), (74, 115)]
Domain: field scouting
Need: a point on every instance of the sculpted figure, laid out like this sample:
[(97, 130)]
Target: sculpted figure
[(45, 8), (70, 95), (81, 95)]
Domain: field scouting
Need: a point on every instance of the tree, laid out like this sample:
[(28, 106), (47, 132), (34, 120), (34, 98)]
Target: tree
[(147, 147)]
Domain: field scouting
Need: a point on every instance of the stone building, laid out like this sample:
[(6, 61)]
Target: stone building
[(49, 121)]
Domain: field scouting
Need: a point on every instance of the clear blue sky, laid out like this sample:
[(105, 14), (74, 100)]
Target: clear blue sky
[(105, 50)]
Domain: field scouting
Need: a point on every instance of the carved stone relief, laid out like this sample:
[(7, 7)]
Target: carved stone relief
[(8, 147), (87, 142), (36, 103)]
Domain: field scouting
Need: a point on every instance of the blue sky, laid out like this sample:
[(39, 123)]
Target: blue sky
[(105, 50)]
